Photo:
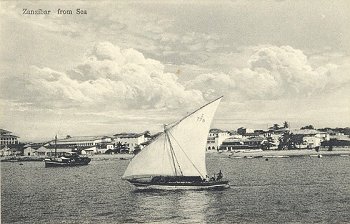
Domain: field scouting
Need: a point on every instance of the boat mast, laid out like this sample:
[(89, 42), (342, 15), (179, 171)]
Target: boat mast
[(56, 146), (173, 156), (186, 155)]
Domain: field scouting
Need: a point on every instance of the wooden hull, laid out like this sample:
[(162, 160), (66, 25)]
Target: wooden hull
[(205, 185), (52, 163)]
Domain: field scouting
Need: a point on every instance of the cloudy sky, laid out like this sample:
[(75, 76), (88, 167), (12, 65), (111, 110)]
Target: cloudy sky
[(135, 66)]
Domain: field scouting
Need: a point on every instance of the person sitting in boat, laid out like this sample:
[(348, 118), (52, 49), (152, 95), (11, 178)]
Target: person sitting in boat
[(219, 175)]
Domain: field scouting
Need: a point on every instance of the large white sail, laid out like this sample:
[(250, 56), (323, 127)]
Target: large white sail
[(153, 160), (179, 150)]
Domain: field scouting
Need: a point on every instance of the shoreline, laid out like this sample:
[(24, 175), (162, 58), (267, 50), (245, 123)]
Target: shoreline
[(287, 153), (96, 157), (237, 155)]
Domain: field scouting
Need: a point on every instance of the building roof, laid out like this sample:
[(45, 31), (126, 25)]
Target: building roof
[(9, 135), (234, 132), (44, 149), (90, 149), (341, 137), (258, 138), (3, 131), (307, 132), (216, 130), (128, 135), (33, 145), (80, 138)]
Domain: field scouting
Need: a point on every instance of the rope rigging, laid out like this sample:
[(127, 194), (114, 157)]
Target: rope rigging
[(169, 133), (173, 155)]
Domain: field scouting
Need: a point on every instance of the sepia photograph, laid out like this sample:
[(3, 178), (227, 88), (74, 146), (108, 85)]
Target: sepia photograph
[(232, 111)]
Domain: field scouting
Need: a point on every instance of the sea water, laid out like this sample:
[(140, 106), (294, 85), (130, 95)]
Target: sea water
[(300, 189)]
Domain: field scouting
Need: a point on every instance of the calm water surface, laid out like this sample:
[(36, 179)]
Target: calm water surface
[(301, 189)]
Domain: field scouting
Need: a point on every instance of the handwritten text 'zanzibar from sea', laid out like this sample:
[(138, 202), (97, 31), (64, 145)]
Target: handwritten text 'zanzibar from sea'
[(58, 11)]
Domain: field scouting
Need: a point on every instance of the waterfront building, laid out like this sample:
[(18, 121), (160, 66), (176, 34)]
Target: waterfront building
[(30, 149), (215, 138), (311, 138), (43, 151), (89, 151), (234, 144), (244, 131), (235, 134), (98, 149), (80, 142), (130, 140), (337, 141), (272, 140), (9, 151), (109, 146), (7, 138)]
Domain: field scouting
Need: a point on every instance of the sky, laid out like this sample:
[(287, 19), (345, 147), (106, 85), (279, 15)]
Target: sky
[(134, 66)]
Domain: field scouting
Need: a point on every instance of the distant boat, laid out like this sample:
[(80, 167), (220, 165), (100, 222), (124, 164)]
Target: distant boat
[(69, 159), (176, 158)]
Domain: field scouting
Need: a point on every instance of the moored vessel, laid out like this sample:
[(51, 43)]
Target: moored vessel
[(68, 159)]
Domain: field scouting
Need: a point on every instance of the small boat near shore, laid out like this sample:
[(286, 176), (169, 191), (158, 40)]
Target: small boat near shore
[(69, 159), (176, 158)]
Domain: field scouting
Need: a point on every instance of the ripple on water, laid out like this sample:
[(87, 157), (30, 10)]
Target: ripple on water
[(288, 190)]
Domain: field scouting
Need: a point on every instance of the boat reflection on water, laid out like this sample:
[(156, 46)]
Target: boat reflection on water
[(176, 206)]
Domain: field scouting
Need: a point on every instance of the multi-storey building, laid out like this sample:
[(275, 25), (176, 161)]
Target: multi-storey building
[(215, 138), (7, 138), (247, 143), (130, 140), (311, 138), (80, 141)]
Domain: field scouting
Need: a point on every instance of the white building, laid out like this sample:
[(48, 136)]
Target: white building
[(246, 143), (29, 151), (215, 139), (44, 151), (311, 138), (130, 140), (273, 139), (8, 151), (90, 151), (81, 141), (7, 138)]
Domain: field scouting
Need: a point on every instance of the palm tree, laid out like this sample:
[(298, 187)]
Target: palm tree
[(276, 126), (307, 127)]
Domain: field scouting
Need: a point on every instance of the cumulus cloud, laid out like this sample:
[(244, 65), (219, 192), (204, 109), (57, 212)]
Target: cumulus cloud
[(121, 78), (272, 73), (110, 77)]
